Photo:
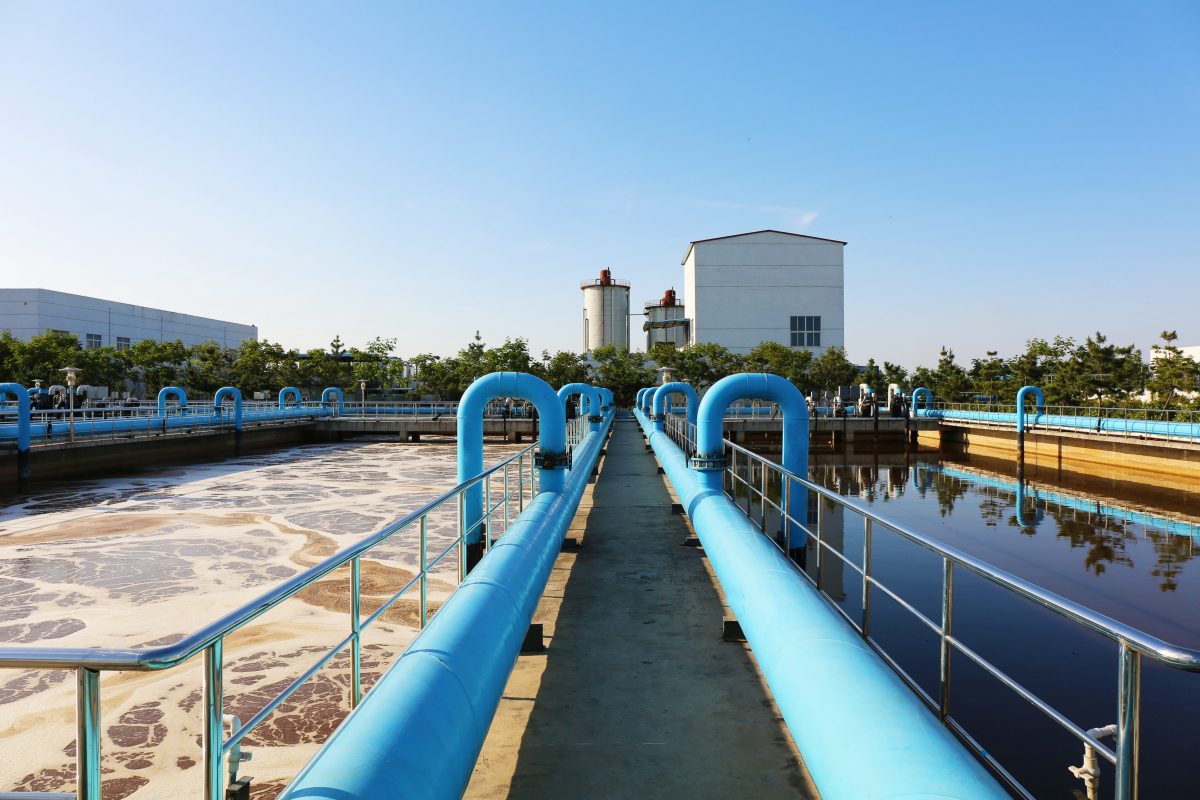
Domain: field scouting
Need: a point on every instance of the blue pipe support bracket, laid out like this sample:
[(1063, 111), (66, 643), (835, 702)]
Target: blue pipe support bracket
[(289, 394), (236, 394), (861, 731), (552, 435), (419, 731), (334, 391), (170, 391), (658, 402), (590, 402)]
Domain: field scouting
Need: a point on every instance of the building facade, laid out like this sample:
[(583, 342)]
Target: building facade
[(102, 323), (666, 322), (766, 286)]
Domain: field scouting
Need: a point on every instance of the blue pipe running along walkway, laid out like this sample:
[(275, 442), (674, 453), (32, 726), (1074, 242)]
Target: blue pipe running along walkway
[(636, 695)]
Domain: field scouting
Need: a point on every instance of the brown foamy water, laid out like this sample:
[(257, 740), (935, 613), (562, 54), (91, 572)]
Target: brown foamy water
[(141, 561)]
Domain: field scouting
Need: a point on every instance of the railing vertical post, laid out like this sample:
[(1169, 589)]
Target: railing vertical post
[(356, 632), (1129, 709), (87, 734), (947, 619), (213, 730), (462, 537), (762, 495), (506, 496), (787, 516), (424, 610), (820, 548), (487, 514), (865, 621), (521, 484)]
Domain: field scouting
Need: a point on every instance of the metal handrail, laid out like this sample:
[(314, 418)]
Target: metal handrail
[(88, 663), (1133, 644)]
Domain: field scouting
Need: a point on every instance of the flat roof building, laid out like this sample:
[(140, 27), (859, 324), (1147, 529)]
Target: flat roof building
[(766, 286), (102, 323)]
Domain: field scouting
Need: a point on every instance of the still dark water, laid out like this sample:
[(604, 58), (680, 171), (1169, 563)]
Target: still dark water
[(1129, 554)]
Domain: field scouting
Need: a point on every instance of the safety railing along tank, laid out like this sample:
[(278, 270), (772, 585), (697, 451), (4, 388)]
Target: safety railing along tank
[(753, 481), (1169, 424), (506, 488)]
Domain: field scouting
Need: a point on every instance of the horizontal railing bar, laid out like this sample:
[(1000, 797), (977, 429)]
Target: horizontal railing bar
[(280, 698), (171, 655), (988, 758), (443, 554), (388, 604), (899, 670), (37, 796), (1150, 646)]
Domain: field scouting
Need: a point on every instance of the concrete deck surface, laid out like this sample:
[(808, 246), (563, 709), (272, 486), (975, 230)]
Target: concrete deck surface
[(636, 695)]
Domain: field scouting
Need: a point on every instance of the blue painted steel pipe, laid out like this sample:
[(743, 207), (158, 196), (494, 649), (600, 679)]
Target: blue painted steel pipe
[(1039, 397), (236, 394), (170, 391), (637, 403), (606, 398), (861, 731), (916, 400), (289, 392), (418, 732), (22, 396), (333, 391), (552, 431), (590, 401), (659, 401)]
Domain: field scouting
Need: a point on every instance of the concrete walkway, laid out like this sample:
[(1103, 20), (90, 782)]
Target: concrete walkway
[(636, 696)]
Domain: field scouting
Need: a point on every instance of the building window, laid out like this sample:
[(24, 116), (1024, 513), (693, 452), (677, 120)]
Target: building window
[(93, 341), (122, 342), (806, 331)]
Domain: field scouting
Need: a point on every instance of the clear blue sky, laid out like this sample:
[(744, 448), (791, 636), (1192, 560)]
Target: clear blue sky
[(423, 170)]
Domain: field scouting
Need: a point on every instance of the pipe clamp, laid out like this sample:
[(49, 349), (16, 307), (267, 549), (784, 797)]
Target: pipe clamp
[(708, 463)]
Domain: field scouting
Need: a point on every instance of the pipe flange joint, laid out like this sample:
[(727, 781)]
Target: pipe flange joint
[(552, 460), (708, 463), (595, 418), (654, 417)]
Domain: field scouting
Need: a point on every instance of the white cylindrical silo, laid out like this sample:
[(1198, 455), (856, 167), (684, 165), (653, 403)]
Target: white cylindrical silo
[(605, 312)]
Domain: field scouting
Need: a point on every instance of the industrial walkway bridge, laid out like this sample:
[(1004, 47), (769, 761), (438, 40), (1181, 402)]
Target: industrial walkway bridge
[(719, 669)]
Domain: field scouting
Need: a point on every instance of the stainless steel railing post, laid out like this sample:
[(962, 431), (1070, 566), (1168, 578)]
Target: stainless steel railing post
[(865, 621), (356, 632), (87, 735), (213, 732), (462, 537), (1129, 711), (487, 504), (521, 484), (424, 581), (947, 618), (820, 554), (507, 495)]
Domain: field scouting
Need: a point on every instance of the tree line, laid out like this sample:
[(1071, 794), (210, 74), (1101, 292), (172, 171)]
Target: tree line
[(1095, 371)]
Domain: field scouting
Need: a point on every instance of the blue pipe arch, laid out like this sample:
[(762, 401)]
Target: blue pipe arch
[(637, 403), (289, 392), (916, 400), (236, 394), (591, 402), (1040, 404), (552, 435), (606, 398), (658, 403), (171, 391), (23, 424), (334, 391)]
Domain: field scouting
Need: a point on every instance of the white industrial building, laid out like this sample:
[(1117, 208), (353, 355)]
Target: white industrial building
[(666, 322), (605, 312), (101, 323), (766, 286)]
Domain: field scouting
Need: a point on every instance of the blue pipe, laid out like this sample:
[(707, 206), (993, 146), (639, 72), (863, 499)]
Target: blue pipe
[(916, 400), (637, 403), (590, 402), (606, 398), (552, 435), (289, 391), (170, 391), (22, 396), (1039, 397), (644, 405), (862, 733), (334, 391), (236, 394), (419, 731), (659, 400)]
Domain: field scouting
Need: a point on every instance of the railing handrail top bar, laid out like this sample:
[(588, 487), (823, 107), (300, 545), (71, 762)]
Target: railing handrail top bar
[(1173, 655), (167, 656)]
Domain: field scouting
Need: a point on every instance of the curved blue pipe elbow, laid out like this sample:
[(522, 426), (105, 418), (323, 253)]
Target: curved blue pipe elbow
[(590, 403), (236, 394), (289, 393), (552, 435), (1038, 396), (170, 391), (916, 402), (22, 396), (334, 391), (606, 398), (658, 402)]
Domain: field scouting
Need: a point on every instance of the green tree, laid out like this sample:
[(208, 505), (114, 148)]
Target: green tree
[(375, 364), (157, 364), (209, 367), (779, 359), (894, 373), (701, 365), (832, 369), (565, 367), (624, 373), (872, 376), (990, 376), (1109, 373), (1171, 371)]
